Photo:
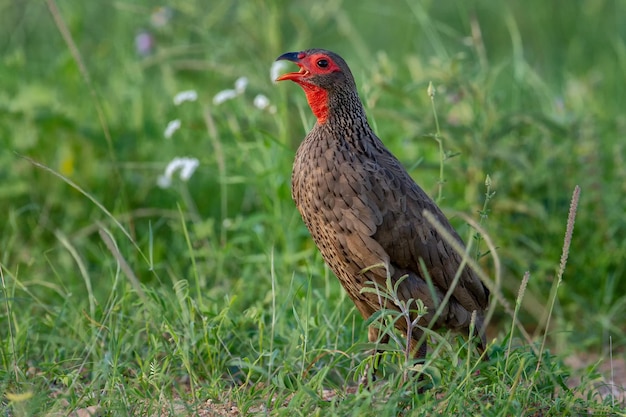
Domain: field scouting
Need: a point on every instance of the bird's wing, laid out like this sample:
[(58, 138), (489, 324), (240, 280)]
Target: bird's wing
[(384, 208)]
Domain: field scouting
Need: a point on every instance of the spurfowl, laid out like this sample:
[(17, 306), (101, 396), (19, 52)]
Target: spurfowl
[(365, 212)]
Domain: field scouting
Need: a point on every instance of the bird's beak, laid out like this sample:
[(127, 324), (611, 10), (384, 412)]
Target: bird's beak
[(293, 57)]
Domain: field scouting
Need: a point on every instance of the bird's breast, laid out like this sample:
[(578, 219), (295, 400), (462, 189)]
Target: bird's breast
[(320, 170)]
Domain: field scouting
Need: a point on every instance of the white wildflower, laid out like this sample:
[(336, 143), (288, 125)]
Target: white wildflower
[(223, 96), (261, 102), (172, 127), (277, 68), (186, 166), (240, 85), (164, 182), (188, 95)]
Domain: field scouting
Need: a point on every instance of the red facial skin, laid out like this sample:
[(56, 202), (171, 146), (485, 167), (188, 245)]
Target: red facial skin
[(309, 68)]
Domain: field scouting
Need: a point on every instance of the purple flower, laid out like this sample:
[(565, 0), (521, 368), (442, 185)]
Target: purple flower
[(144, 43)]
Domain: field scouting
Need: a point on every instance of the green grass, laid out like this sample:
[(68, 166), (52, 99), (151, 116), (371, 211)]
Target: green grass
[(148, 301)]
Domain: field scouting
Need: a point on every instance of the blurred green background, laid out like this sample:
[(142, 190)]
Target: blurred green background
[(531, 93)]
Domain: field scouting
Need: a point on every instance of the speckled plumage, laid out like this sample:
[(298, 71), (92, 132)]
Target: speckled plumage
[(362, 209)]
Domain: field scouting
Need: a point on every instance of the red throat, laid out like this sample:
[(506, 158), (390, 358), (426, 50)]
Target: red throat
[(318, 100)]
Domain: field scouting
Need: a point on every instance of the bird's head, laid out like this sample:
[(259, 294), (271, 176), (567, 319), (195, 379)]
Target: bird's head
[(323, 74)]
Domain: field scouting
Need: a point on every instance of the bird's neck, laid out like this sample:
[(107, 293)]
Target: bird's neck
[(346, 125), (318, 101), (346, 111), (344, 106)]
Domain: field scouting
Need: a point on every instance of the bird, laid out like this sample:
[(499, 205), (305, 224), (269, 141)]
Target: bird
[(365, 212)]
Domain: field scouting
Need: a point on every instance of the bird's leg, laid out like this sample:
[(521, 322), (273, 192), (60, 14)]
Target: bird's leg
[(482, 344), (373, 336)]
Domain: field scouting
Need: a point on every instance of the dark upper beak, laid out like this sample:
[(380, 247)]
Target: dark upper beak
[(289, 56)]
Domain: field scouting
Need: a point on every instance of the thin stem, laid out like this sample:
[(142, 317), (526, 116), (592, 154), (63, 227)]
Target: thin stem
[(484, 213), (10, 322), (221, 168), (76, 55), (518, 304), (442, 156), (569, 230)]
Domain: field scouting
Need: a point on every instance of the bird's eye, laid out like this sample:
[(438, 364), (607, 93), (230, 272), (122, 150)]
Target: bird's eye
[(322, 63)]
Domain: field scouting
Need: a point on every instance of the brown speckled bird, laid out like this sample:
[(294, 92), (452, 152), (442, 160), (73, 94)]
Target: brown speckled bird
[(363, 209)]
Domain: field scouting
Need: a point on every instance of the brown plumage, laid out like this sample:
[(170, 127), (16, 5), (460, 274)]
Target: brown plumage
[(363, 209)]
